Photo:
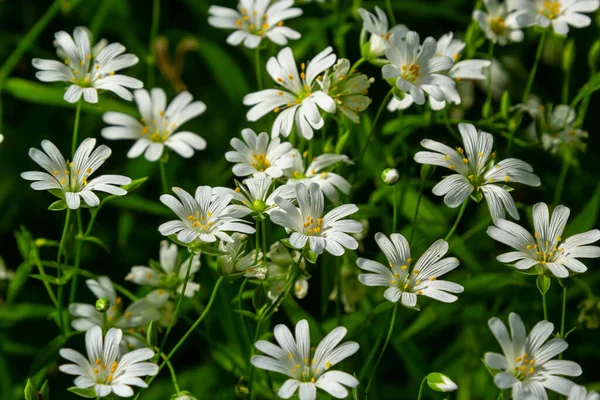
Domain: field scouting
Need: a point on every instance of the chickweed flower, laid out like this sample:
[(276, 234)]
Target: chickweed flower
[(69, 180), (580, 393), (237, 261), (546, 249), (556, 128), (527, 365), (299, 96), (307, 369), (378, 27), (158, 125), (88, 69), (405, 282), (559, 14), (494, 23), (476, 169), (256, 19), (105, 369), (348, 89)]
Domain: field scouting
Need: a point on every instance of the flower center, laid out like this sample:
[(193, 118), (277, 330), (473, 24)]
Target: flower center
[(497, 25), (545, 250), (86, 72), (524, 366), (104, 374), (410, 73), (71, 178), (550, 9), (313, 227), (254, 23), (201, 223), (305, 371), (158, 129), (261, 162), (259, 206)]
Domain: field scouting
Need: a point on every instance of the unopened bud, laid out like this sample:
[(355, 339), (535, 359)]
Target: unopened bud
[(102, 304), (440, 382), (183, 396), (390, 176)]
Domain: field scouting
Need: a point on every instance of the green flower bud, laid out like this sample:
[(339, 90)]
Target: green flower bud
[(440, 382), (102, 304), (390, 176)]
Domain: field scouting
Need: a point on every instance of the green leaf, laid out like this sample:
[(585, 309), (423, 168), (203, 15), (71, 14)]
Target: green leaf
[(339, 147), (212, 251), (45, 391), (21, 276), (543, 283), (88, 393), (95, 240), (58, 205), (31, 392), (48, 354), (53, 280), (24, 311), (586, 90), (152, 334), (246, 314), (135, 184)]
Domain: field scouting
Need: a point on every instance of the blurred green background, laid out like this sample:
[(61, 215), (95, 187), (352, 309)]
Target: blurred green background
[(449, 338)]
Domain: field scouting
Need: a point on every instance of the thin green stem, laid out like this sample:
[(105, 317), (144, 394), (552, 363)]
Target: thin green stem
[(338, 297), (565, 87), (178, 306), (538, 55), (163, 175), (78, 250), (257, 239), (76, 129), (414, 227), (458, 218), (251, 372), (422, 388), (374, 124), (173, 375), (395, 221), (385, 345), (371, 355), (562, 177), (188, 333), (40, 267), (243, 321), (564, 314), (264, 238), (151, 60), (357, 64), (59, 270), (258, 67), (452, 131), (390, 10), (545, 306)]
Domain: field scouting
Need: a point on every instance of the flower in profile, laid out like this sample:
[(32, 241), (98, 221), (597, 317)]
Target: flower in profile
[(69, 180), (559, 14), (256, 19), (405, 282), (299, 97), (88, 69), (494, 23), (329, 182), (527, 365), (416, 67), (158, 125), (255, 196), (441, 383), (105, 369), (257, 156), (378, 27), (237, 261), (348, 89), (1, 138), (309, 227), (307, 370), (203, 218), (556, 128), (580, 393), (168, 274), (476, 169), (546, 249)]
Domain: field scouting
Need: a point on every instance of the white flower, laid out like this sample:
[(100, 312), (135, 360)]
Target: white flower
[(307, 223), (476, 169), (307, 370), (203, 218), (405, 283), (158, 125), (560, 14), (253, 197), (255, 19), (105, 369), (299, 97), (378, 27), (527, 366), (301, 288), (1, 138), (329, 182), (579, 393), (546, 250), (88, 69), (417, 68), (556, 127), (168, 274), (494, 23), (69, 180), (255, 155), (348, 89), (238, 261)]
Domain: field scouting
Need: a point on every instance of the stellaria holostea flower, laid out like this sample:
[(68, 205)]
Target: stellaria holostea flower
[(306, 369), (544, 249), (158, 125), (348, 89), (494, 24), (579, 393), (378, 27), (88, 69), (69, 180), (559, 14), (299, 97), (238, 261)]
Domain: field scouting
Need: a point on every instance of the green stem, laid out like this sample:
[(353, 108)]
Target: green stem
[(59, 270), (173, 375), (357, 64), (374, 124), (564, 313), (458, 218), (545, 306), (40, 267), (258, 67), (490, 56), (388, 5), (538, 55), (414, 227), (257, 234), (251, 372), (422, 388), (178, 306), (76, 129), (188, 333), (264, 238), (78, 249), (395, 222), (163, 175), (565, 86), (151, 60), (387, 341), (338, 298), (243, 321), (449, 126), (561, 178)]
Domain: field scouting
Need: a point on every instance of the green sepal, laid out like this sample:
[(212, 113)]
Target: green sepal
[(152, 334), (543, 283), (310, 255), (31, 392), (88, 393), (58, 205)]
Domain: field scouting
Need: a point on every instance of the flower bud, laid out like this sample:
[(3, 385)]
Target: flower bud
[(102, 304), (440, 382), (390, 176), (183, 396), (568, 56)]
